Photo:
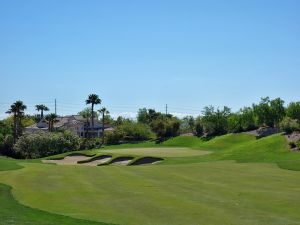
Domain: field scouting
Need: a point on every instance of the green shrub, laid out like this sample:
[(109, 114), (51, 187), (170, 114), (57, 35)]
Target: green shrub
[(165, 127), (298, 144), (289, 125), (43, 144), (133, 131), (199, 128), (90, 143), (113, 137)]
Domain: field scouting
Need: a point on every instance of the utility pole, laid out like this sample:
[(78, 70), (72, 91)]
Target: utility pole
[(166, 109), (55, 107)]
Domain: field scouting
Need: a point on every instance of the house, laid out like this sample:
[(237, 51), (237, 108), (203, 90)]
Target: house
[(74, 123)]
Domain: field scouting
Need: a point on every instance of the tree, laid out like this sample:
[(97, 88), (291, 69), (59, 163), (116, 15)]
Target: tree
[(52, 118), (187, 124), (147, 116), (41, 108), (269, 112), (278, 110), (87, 113), (215, 121), (104, 112), (293, 110), (17, 109), (166, 127), (93, 99)]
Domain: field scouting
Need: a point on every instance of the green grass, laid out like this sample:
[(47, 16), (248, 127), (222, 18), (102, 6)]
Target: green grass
[(188, 187), (201, 193), (12, 212), (8, 164), (157, 152)]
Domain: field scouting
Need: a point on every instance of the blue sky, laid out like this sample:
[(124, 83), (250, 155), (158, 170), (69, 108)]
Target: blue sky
[(135, 54)]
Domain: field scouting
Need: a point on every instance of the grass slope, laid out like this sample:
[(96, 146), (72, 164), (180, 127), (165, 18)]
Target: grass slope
[(241, 148)]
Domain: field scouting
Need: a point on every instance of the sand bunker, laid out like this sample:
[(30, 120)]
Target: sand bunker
[(121, 161), (97, 160), (146, 161), (68, 160)]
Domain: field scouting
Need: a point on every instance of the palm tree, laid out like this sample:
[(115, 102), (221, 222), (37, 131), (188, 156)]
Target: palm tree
[(17, 109), (93, 99), (52, 118), (41, 108), (103, 111)]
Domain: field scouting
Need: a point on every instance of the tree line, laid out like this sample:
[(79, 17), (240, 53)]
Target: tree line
[(149, 124)]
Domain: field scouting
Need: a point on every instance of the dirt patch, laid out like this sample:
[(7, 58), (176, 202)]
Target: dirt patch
[(68, 160), (146, 161), (121, 161), (97, 160)]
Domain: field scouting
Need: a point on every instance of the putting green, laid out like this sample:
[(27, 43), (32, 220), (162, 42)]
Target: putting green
[(205, 193), (158, 152)]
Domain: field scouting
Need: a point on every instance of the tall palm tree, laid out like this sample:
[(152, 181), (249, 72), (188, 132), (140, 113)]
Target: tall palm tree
[(104, 112), (93, 99), (52, 118), (17, 109), (41, 108)]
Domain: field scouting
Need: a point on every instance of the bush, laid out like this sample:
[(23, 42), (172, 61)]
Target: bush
[(289, 125), (298, 144), (113, 137), (166, 127), (43, 144), (199, 128), (90, 143), (132, 131)]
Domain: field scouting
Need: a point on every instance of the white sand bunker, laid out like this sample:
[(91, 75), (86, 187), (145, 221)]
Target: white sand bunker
[(123, 161), (97, 160), (68, 160)]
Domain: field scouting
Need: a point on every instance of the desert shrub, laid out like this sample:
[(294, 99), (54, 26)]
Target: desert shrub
[(289, 125), (43, 144)]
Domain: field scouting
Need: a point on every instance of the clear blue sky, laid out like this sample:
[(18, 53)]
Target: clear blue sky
[(148, 53)]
